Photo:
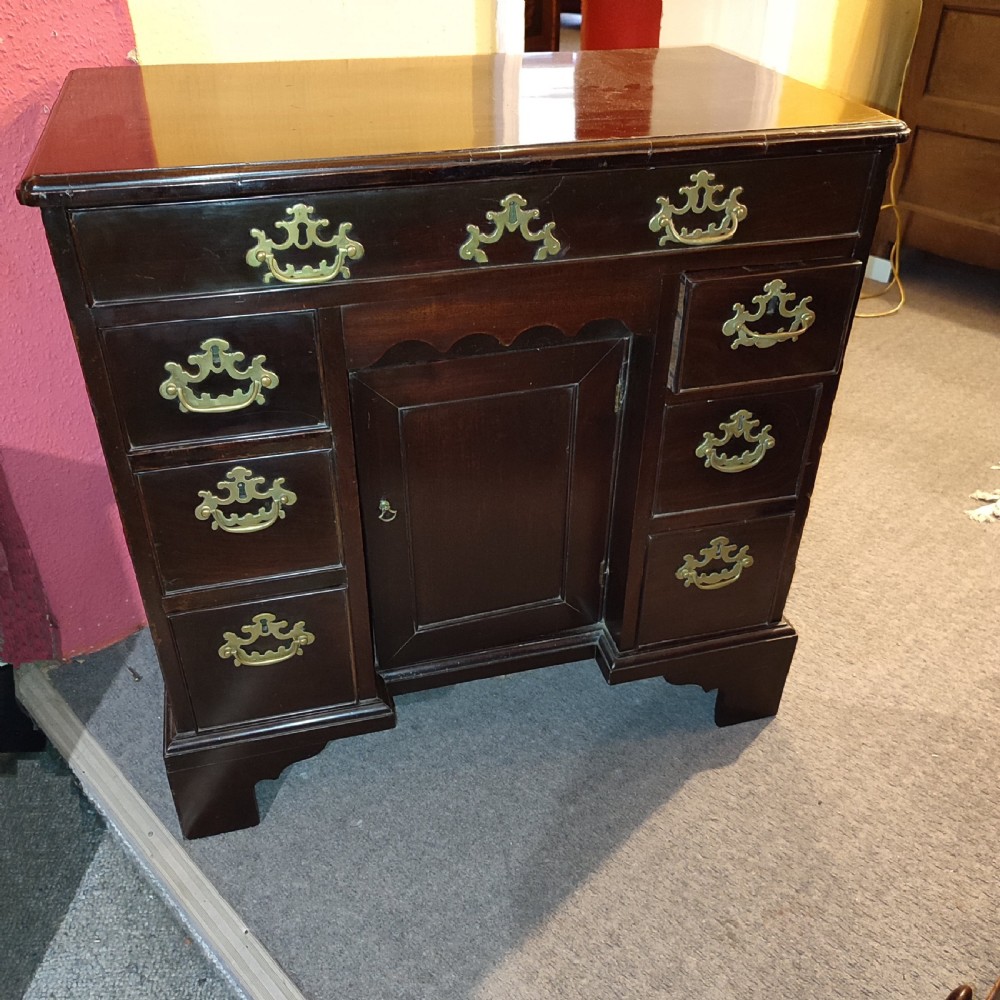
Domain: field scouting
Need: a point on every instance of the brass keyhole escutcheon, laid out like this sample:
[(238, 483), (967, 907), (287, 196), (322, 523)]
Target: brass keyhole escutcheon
[(265, 625), (741, 426), (720, 551), (240, 489), (385, 511), (217, 357), (773, 301)]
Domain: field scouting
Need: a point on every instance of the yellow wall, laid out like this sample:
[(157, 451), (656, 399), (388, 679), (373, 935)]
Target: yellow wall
[(198, 31), (857, 48)]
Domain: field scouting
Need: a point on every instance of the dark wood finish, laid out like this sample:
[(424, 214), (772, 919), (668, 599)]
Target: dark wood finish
[(195, 553), (135, 358), (233, 131), (671, 610), (747, 669), (704, 356), (965, 992), (541, 26), (500, 469), (949, 176), (224, 694), (139, 253), (212, 782), (565, 647), (685, 482), (619, 299), (532, 425)]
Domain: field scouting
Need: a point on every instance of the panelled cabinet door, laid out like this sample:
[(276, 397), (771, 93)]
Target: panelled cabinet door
[(485, 490)]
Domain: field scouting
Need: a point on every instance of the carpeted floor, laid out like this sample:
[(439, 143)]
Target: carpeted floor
[(544, 835), (77, 918)]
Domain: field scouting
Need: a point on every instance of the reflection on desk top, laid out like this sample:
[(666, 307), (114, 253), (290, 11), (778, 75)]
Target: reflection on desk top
[(148, 130)]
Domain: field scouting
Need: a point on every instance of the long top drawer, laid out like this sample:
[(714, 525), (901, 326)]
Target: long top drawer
[(317, 239)]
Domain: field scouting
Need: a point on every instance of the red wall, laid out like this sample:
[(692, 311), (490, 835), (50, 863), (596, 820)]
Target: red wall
[(611, 24), (58, 498)]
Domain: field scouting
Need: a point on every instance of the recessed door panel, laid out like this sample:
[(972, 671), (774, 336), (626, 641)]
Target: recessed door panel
[(478, 469), (485, 488)]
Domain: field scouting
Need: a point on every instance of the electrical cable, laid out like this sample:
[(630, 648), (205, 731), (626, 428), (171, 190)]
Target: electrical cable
[(892, 203)]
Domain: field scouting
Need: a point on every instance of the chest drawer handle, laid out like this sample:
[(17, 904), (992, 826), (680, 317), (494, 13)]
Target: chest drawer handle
[(216, 357), (240, 486), (741, 426), (265, 626), (718, 550), (773, 300), (699, 197), (303, 234), (512, 216)]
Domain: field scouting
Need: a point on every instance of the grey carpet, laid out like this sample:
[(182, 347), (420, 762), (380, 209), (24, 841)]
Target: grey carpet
[(544, 835), (77, 919)]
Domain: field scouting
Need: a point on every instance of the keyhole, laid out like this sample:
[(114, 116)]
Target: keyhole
[(242, 491), (265, 628), (216, 358)]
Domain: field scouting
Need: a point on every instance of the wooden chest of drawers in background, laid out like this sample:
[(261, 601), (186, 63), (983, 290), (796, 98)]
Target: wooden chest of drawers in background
[(394, 400), (949, 175)]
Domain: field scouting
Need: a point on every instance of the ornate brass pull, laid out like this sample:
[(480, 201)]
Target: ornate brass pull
[(263, 251), (242, 487), (265, 625), (741, 425), (512, 216), (385, 511), (217, 357), (700, 196), (773, 299), (718, 550)]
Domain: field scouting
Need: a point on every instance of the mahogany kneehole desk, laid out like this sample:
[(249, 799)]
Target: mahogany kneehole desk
[(410, 372)]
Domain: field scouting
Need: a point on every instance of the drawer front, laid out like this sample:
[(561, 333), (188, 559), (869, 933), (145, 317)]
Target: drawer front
[(161, 250), (243, 519), (713, 578), (206, 380), (738, 327), (741, 448), (265, 659)]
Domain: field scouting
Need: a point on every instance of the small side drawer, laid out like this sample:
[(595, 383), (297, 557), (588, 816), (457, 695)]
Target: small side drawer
[(729, 323), (741, 448), (713, 578), (244, 519), (265, 659), (205, 380)]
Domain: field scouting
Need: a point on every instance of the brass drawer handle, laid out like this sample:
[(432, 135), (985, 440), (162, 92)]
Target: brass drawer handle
[(263, 251), (216, 357), (741, 426), (267, 626), (385, 511), (241, 486), (513, 216), (774, 299), (718, 550), (700, 196)]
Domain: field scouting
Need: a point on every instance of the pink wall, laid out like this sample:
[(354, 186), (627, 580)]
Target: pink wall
[(51, 460)]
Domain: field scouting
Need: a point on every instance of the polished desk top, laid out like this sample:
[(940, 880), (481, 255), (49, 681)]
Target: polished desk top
[(131, 129)]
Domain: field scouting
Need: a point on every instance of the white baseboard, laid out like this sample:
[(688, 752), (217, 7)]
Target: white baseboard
[(206, 914)]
